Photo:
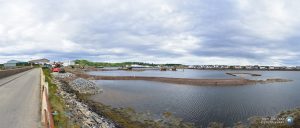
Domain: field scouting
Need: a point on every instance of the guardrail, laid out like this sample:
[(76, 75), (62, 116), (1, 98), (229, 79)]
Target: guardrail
[(47, 118)]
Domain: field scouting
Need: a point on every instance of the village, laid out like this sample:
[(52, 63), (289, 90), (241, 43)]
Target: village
[(146, 66)]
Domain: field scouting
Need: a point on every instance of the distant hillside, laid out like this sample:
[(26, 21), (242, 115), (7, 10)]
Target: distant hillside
[(105, 64)]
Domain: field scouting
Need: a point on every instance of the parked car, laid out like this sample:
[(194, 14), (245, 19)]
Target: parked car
[(55, 69)]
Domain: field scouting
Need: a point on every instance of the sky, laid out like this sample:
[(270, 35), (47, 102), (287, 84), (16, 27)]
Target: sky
[(243, 32)]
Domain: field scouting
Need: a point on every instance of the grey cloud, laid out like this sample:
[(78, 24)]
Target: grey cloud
[(131, 30)]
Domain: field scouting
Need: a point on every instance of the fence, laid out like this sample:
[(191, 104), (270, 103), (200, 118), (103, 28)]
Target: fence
[(47, 118)]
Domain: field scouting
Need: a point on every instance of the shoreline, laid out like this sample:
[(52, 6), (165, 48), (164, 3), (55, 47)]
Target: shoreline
[(145, 69), (79, 112), (102, 109), (94, 113)]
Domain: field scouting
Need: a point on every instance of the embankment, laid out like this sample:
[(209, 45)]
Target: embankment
[(221, 82), (9, 72), (185, 81)]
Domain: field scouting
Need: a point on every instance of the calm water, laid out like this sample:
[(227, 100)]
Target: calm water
[(202, 104)]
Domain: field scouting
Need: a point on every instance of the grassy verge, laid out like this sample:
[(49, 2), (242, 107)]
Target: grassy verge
[(57, 104)]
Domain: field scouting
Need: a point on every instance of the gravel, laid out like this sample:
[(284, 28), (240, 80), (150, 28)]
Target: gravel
[(79, 84), (85, 86), (63, 75)]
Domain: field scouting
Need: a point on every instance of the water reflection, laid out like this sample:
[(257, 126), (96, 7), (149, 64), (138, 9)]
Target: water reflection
[(203, 104)]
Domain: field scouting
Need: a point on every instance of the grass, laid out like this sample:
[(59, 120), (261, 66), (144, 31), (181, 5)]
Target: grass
[(57, 104)]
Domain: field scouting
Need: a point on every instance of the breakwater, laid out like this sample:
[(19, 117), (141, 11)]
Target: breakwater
[(185, 81)]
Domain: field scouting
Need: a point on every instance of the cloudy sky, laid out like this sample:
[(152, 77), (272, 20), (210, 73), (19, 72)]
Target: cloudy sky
[(160, 31)]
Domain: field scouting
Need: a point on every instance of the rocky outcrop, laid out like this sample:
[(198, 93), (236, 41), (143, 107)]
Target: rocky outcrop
[(79, 112)]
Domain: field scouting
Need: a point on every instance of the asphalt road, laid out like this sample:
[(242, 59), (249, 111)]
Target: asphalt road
[(19, 100)]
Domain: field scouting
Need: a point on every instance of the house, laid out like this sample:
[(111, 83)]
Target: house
[(248, 67), (271, 68), (283, 67), (290, 68), (191, 67), (40, 61), (277, 68), (225, 67), (263, 67), (68, 63), (237, 67), (11, 64), (255, 67)]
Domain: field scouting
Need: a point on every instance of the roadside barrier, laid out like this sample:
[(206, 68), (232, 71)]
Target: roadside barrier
[(47, 118), (9, 72)]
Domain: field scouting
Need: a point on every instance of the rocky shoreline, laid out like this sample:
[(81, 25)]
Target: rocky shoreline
[(88, 113), (79, 112)]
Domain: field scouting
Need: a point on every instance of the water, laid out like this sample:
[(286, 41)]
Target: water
[(203, 104)]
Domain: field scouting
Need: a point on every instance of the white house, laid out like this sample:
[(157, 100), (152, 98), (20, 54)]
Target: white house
[(271, 67), (40, 61), (11, 64), (68, 63), (263, 67)]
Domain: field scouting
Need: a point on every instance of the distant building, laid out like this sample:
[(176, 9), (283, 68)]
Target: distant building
[(248, 67), (277, 68), (263, 67), (40, 61), (191, 67), (226, 67), (68, 63), (255, 67), (237, 67), (291, 68), (271, 68), (11, 64), (137, 66)]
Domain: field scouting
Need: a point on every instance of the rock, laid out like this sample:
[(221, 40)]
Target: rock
[(63, 75), (79, 112), (85, 86)]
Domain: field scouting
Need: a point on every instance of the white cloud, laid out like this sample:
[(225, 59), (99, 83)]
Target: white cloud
[(198, 32), (272, 20), (180, 44)]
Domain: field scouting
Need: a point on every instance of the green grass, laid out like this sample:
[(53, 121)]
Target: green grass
[(57, 104)]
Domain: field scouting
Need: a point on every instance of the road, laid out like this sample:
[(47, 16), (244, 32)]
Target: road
[(19, 100)]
